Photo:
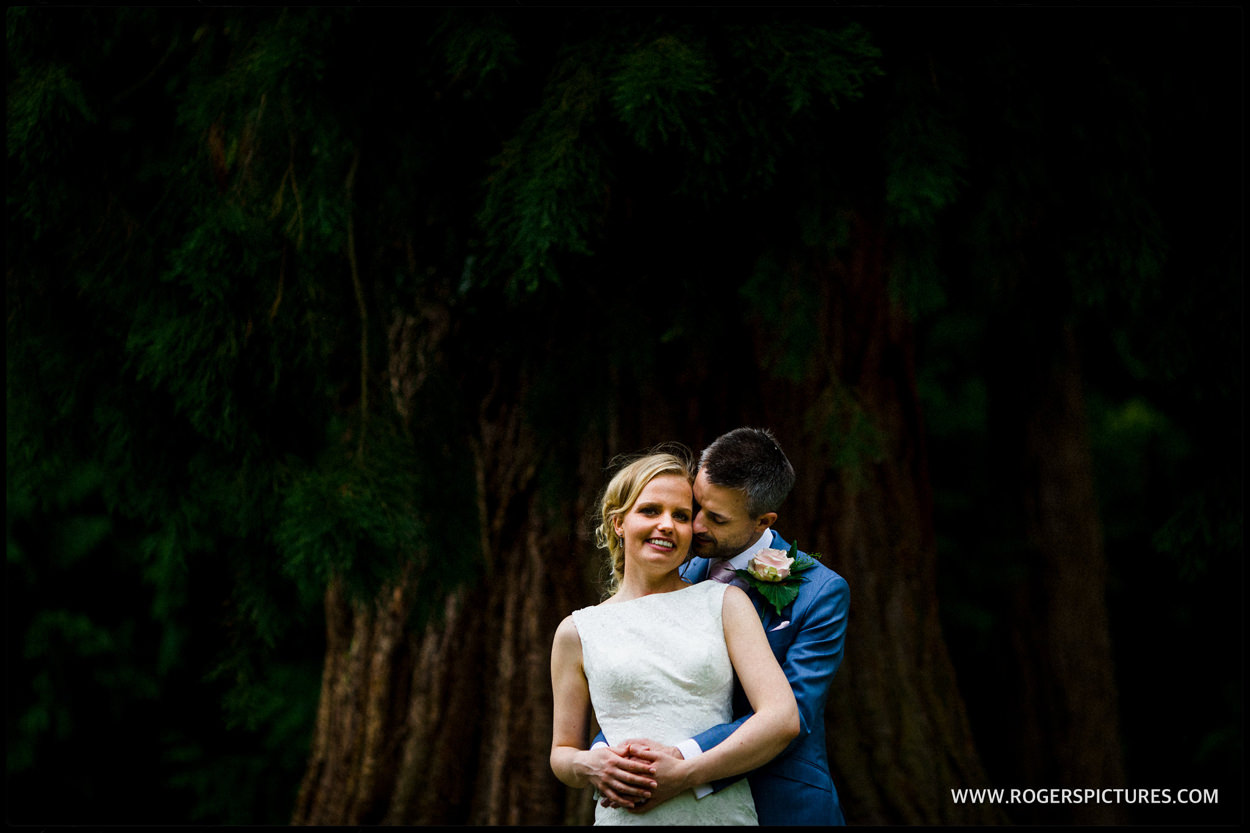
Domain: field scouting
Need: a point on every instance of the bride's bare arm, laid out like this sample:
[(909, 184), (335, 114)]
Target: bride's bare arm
[(776, 719), (611, 771)]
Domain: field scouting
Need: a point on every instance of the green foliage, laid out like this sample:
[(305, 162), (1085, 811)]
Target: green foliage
[(549, 181), (806, 66), (709, 111), (661, 90), (267, 729), (1205, 530), (851, 439), (45, 115), (176, 348), (363, 520), (191, 343), (480, 48), (42, 106), (926, 157), (79, 668), (792, 352)]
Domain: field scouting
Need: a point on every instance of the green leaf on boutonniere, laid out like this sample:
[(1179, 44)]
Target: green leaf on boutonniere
[(779, 592)]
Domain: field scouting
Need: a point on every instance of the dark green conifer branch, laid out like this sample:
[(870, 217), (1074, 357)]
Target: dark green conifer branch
[(361, 307)]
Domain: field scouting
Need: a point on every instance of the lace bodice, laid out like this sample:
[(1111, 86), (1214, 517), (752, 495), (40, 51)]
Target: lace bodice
[(658, 668)]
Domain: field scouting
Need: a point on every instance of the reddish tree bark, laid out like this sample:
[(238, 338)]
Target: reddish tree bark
[(899, 737), (1066, 732)]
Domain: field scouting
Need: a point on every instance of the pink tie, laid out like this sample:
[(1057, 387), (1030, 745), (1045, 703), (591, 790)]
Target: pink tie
[(722, 571)]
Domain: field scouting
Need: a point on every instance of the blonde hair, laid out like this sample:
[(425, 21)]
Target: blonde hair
[(622, 493)]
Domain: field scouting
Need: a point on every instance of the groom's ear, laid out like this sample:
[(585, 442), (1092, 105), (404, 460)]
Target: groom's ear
[(765, 521)]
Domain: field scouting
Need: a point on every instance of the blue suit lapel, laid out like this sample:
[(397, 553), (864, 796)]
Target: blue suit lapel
[(695, 570)]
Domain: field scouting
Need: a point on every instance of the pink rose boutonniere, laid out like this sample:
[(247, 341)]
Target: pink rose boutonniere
[(775, 574)]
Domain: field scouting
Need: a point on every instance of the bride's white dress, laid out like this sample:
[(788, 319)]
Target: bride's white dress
[(658, 668)]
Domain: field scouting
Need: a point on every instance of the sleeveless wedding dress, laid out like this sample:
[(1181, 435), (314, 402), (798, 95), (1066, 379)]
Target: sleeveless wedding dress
[(658, 668)]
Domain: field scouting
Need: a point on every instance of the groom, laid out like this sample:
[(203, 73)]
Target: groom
[(743, 478)]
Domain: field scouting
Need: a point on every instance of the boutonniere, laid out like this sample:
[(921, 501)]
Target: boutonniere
[(775, 574)]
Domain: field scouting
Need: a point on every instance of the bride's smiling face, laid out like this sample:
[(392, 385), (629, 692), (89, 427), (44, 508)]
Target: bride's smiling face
[(657, 528)]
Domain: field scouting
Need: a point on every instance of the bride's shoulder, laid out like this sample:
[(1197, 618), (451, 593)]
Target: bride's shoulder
[(584, 614), (566, 648), (737, 600), (566, 633)]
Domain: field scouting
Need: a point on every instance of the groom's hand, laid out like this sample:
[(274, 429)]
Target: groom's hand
[(667, 765), (621, 777)]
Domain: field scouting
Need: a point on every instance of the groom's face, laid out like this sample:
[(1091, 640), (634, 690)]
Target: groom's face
[(722, 527)]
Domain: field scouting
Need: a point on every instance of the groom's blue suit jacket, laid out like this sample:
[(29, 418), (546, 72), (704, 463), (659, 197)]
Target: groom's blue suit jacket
[(807, 639)]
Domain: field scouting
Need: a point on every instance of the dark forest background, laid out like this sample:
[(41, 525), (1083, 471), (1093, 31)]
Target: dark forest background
[(323, 325)]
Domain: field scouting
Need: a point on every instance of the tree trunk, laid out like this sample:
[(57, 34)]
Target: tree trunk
[(452, 725), (1068, 725), (469, 700), (899, 737)]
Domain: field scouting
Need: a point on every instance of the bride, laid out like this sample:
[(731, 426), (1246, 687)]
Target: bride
[(658, 657)]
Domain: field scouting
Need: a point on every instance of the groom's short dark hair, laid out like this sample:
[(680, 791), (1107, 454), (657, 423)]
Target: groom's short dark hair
[(750, 460)]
